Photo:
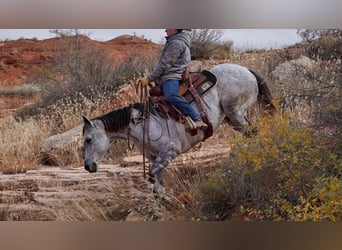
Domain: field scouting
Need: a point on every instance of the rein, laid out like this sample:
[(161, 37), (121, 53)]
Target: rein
[(144, 99)]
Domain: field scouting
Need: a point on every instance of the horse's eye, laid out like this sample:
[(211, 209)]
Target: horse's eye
[(88, 140)]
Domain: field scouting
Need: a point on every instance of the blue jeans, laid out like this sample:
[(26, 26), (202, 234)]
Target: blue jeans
[(170, 89)]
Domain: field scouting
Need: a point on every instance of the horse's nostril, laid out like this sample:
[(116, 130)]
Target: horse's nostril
[(94, 168), (90, 166)]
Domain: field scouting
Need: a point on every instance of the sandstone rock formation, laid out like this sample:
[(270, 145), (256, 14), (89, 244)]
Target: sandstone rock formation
[(294, 70)]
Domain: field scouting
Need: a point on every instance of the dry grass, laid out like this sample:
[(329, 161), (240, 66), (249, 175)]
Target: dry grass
[(91, 207), (20, 144), (82, 205)]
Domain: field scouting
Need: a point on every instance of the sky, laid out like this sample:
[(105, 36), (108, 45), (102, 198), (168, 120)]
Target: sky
[(242, 38)]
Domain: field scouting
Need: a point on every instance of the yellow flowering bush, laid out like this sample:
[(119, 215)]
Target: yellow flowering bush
[(283, 173)]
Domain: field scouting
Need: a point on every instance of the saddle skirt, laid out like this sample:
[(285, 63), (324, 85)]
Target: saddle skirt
[(192, 88)]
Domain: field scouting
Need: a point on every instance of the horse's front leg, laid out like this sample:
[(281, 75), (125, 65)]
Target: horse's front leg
[(167, 152)]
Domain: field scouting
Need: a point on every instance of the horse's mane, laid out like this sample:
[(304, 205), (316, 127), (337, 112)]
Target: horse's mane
[(119, 118)]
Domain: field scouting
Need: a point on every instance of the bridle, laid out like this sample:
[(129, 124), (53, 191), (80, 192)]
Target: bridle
[(145, 146)]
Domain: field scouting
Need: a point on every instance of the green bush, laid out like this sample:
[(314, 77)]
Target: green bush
[(324, 202), (283, 173), (213, 198)]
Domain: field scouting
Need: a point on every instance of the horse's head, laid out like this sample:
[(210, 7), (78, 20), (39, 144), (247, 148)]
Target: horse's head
[(95, 144)]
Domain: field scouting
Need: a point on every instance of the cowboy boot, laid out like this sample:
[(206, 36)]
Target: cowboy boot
[(201, 125)]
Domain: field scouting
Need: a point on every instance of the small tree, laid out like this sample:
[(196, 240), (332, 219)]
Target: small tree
[(204, 43)]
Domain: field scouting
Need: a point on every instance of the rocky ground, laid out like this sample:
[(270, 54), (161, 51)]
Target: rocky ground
[(55, 193)]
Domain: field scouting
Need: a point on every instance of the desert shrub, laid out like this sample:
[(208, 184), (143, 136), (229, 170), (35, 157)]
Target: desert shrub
[(316, 101), (223, 50), (84, 86), (322, 203), (325, 48), (205, 44), (282, 163), (212, 198), (280, 169), (277, 159)]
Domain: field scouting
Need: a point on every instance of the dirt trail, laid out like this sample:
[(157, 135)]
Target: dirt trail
[(36, 194), (53, 193)]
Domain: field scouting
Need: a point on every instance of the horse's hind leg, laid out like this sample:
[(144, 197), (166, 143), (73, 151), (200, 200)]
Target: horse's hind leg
[(238, 121)]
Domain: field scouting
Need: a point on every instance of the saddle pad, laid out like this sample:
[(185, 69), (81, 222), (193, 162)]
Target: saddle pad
[(202, 85)]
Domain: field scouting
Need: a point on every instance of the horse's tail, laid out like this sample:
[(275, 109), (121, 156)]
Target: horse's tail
[(264, 94)]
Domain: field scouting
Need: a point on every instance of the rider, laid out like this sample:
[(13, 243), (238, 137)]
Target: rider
[(174, 59)]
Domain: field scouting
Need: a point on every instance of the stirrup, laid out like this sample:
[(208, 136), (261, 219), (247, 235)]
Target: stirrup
[(190, 123), (190, 126)]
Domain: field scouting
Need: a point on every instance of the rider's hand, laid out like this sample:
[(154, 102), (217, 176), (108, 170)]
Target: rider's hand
[(144, 81)]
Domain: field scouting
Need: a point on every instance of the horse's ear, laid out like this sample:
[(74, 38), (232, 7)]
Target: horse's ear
[(86, 121)]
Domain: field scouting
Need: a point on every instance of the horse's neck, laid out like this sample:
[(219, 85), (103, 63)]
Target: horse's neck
[(122, 134)]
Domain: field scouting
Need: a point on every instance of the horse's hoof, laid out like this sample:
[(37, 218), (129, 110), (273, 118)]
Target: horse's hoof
[(152, 179)]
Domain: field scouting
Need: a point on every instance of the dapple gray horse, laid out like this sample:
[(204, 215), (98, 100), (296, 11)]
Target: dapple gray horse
[(237, 89)]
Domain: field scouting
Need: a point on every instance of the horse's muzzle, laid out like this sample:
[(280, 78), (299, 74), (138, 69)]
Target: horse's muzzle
[(90, 166)]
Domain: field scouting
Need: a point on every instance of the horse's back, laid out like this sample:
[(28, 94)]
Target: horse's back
[(237, 90), (236, 84)]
